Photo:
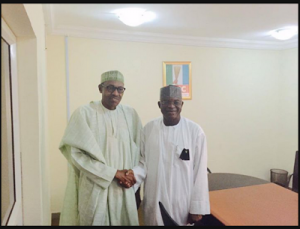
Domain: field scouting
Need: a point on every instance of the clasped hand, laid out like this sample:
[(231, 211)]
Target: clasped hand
[(193, 218), (126, 178)]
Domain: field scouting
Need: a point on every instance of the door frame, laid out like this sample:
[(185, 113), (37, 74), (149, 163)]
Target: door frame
[(16, 216)]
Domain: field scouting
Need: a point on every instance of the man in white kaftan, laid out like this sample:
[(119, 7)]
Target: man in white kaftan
[(173, 165), (101, 142)]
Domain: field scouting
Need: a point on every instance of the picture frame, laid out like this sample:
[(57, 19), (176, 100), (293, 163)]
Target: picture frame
[(179, 73)]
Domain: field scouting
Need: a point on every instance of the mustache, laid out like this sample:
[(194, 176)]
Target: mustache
[(115, 97)]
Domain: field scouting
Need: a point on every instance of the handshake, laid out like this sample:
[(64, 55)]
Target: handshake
[(125, 178)]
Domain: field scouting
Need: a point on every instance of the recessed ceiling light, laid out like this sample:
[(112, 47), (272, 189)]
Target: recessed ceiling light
[(285, 34), (134, 16)]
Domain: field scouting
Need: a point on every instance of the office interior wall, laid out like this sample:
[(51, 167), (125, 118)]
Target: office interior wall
[(239, 97), (288, 110)]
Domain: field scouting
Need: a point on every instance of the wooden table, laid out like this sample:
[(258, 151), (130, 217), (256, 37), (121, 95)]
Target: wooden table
[(263, 204)]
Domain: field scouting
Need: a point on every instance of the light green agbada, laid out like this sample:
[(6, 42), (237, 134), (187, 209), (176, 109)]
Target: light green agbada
[(96, 143)]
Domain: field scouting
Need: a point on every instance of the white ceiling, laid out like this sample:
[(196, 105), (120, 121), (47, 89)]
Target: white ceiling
[(212, 25)]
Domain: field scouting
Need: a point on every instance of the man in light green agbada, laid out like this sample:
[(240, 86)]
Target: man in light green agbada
[(101, 142)]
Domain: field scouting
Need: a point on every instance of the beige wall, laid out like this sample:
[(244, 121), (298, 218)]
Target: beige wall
[(288, 109), (33, 125), (57, 118), (237, 98)]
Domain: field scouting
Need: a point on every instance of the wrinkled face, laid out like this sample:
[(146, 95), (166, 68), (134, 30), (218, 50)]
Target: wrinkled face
[(112, 92), (171, 109)]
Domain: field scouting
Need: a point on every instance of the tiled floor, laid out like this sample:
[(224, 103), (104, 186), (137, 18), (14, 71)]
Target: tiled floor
[(140, 213), (55, 219)]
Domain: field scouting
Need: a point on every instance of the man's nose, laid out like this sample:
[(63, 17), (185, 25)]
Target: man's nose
[(115, 92), (171, 104)]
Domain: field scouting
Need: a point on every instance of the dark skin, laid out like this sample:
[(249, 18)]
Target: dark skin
[(171, 109), (125, 178), (111, 100)]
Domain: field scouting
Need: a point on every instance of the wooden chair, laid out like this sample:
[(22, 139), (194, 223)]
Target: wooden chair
[(295, 174)]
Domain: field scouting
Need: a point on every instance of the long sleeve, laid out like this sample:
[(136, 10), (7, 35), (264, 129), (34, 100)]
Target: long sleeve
[(200, 194), (94, 170), (140, 170)]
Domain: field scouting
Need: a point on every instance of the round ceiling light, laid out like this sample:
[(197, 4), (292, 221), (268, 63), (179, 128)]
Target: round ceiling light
[(134, 16), (285, 34)]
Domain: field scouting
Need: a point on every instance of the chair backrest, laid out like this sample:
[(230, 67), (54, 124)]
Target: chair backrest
[(167, 219), (295, 174)]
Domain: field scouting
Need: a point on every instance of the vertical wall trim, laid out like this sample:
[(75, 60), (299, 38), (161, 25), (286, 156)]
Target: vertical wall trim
[(67, 76)]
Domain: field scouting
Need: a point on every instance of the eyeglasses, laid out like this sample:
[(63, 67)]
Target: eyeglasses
[(177, 103), (112, 88)]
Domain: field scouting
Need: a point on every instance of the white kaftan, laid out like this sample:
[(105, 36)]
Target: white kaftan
[(98, 142), (181, 185)]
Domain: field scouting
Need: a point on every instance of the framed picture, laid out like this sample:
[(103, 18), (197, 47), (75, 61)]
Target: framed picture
[(178, 73)]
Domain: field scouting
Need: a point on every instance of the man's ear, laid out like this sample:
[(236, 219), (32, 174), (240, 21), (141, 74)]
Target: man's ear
[(158, 104), (182, 104), (100, 88)]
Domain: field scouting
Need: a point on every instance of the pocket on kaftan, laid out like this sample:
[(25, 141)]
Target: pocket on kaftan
[(182, 155)]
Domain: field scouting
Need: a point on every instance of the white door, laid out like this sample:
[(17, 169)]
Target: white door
[(11, 189)]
